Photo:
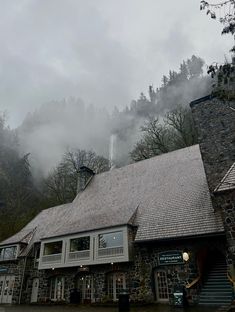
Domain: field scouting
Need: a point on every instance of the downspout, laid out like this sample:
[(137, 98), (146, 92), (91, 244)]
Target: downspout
[(22, 280)]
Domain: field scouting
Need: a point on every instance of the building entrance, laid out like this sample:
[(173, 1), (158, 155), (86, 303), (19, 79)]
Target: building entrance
[(34, 294), (85, 288), (6, 288), (162, 293)]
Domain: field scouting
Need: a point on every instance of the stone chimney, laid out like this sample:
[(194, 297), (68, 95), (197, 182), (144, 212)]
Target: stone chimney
[(84, 177), (215, 123)]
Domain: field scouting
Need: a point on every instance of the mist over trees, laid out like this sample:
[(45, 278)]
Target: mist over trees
[(176, 130), (60, 125), (18, 195), (39, 161)]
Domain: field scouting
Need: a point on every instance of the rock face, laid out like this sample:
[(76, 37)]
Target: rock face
[(215, 123)]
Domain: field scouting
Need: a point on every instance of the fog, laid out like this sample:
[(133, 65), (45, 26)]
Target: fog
[(96, 55)]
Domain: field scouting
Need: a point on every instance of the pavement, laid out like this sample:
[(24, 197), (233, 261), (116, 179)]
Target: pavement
[(86, 308)]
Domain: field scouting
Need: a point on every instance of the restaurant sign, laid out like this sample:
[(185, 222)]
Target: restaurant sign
[(170, 257)]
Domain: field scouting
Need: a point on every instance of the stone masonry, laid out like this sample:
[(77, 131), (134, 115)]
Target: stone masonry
[(215, 123)]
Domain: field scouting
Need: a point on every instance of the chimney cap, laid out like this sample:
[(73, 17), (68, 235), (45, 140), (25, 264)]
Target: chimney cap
[(86, 169)]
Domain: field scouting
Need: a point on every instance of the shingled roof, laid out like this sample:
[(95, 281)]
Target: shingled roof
[(228, 181), (166, 197)]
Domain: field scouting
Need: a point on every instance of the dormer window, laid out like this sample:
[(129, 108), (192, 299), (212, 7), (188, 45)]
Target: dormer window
[(8, 253)]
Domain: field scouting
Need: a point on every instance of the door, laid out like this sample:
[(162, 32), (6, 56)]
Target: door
[(162, 292), (57, 288), (116, 283), (6, 288), (85, 287), (34, 294)]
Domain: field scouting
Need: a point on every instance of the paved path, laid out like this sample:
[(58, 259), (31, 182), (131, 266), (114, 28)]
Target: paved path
[(80, 308)]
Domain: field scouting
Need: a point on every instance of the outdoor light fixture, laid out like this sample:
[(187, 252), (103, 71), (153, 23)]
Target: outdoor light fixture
[(185, 256)]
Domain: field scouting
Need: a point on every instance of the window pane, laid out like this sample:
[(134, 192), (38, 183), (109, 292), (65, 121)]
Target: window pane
[(8, 253), (114, 239), (53, 248), (79, 244)]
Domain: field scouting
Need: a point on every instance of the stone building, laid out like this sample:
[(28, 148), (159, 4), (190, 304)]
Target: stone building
[(151, 228)]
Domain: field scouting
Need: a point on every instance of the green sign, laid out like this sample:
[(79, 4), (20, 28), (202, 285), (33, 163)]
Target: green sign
[(170, 257), (3, 270)]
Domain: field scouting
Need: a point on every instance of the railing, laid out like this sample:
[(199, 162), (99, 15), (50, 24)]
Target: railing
[(77, 255), (110, 252), (8, 259), (232, 281), (194, 282), (52, 258)]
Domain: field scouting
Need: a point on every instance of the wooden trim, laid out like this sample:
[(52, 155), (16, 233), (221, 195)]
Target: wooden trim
[(232, 281), (194, 282)]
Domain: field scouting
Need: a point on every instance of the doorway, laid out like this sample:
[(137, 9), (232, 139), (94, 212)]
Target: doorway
[(6, 288), (34, 294), (162, 293), (116, 283), (85, 288)]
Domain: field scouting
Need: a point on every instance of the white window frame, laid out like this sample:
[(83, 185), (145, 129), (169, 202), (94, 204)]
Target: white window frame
[(112, 277), (88, 257), (54, 279), (16, 253)]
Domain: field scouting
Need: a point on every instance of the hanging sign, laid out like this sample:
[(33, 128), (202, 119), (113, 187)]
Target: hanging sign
[(83, 269), (170, 257)]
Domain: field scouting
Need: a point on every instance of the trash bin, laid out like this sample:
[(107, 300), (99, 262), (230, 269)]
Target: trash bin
[(178, 297), (74, 296), (123, 301)]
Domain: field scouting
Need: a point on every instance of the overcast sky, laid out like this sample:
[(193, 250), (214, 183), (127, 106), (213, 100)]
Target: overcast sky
[(104, 51)]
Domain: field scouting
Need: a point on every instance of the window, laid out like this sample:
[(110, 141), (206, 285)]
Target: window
[(53, 248), (57, 288), (80, 244), (8, 253), (114, 239), (110, 244)]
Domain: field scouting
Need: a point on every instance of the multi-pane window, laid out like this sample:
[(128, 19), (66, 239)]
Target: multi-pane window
[(85, 287), (53, 248), (116, 284), (113, 239), (80, 244), (162, 287), (8, 253)]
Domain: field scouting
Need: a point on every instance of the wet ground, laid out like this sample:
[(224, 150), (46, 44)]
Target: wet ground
[(151, 308)]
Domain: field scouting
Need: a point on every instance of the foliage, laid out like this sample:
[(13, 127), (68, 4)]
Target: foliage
[(17, 191), (228, 18), (61, 184), (175, 131)]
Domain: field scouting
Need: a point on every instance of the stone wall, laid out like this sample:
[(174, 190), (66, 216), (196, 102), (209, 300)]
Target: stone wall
[(140, 273), (215, 124), (226, 202), (15, 268)]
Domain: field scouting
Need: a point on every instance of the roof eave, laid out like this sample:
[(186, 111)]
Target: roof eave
[(166, 239)]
